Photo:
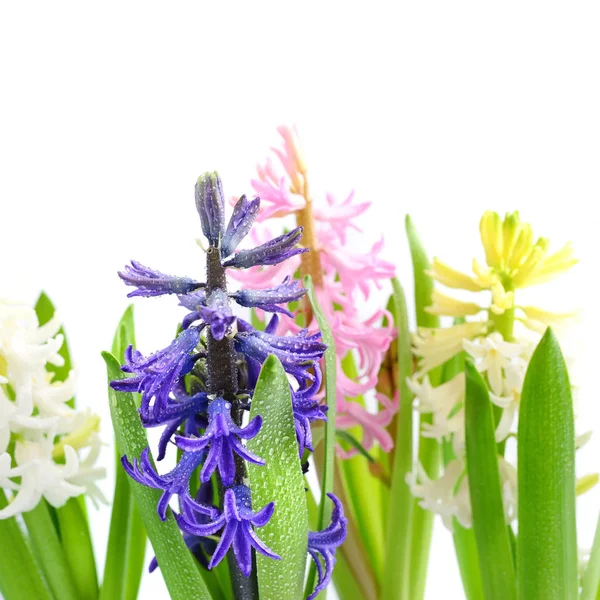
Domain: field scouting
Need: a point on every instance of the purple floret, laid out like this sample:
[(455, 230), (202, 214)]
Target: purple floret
[(154, 283), (222, 434), (277, 250), (237, 521)]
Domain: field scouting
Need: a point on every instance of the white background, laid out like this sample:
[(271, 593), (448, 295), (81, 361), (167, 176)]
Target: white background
[(109, 111)]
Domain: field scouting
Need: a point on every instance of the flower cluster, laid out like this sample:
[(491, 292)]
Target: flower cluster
[(200, 385), (342, 278), (514, 260), (41, 436)]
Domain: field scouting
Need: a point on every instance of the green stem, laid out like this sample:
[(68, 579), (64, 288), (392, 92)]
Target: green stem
[(20, 575), (49, 552), (504, 324)]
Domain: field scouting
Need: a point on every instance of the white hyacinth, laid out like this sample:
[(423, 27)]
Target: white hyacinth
[(446, 404), (448, 496), (42, 439), (493, 356), (491, 332)]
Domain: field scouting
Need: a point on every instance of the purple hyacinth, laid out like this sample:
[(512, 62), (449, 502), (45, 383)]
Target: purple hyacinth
[(298, 353), (198, 388), (193, 302), (270, 298), (177, 413), (277, 250), (156, 375), (244, 213), (217, 314), (174, 483), (325, 543), (237, 521), (210, 204), (222, 434), (306, 412), (200, 547), (154, 283)]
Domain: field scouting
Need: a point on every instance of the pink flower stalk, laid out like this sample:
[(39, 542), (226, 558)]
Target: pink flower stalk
[(345, 277)]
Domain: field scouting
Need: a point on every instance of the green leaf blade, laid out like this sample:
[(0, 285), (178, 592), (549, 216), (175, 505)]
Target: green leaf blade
[(178, 568), (327, 478), (547, 545), (465, 545), (20, 574), (50, 553), (280, 480), (396, 583), (424, 284), (590, 585), (429, 448), (491, 535), (126, 547), (77, 543)]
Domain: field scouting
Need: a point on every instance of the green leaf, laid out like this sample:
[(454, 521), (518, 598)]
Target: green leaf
[(49, 552), (136, 551), (467, 557), (591, 578), (429, 448), (590, 585), (547, 545), (127, 537), (44, 309), (330, 400), (281, 481), (493, 545), (77, 544), (465, 545), (396, 583), (424, 284), (176, 562), (20, 575)]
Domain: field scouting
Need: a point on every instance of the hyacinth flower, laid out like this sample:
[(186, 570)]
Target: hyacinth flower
[(199, 387), (341, 276), (201, 547), (48, 459), (237, 521), (492, 341), (43, 439), (325, 543)]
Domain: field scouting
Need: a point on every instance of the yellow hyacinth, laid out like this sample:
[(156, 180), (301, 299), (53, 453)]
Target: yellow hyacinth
[(514, 259)]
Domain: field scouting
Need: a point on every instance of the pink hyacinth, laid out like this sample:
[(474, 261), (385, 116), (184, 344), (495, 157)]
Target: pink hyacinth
[(346, 277)]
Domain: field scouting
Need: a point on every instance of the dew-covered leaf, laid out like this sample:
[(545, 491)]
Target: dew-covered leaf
[(280, 481), (177, 565), (547, 546)]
